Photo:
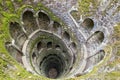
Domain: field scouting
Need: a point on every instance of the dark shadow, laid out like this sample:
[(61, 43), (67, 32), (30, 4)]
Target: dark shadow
[(44, 20), (39, 46), (88, 24), (49, 45), (66, 36), (29, 20)]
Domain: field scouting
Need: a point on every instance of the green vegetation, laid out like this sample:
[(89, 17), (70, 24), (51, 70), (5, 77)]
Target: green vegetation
[(16, 71), (86, 8)]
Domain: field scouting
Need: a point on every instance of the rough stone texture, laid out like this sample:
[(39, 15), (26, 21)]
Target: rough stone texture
[(106, 17)]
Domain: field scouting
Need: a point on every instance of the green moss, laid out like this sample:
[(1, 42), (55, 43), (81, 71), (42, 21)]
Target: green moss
[(19, 72), (38, 7), (116, 35), (6, 6), (114, 75), (114, 63), (8, 17), (117, 32), (5, 36), (52, 16), (95, 70), (5, 27), (10, 6), (116, 47), (22, 8), (20, 0), (84, 7)]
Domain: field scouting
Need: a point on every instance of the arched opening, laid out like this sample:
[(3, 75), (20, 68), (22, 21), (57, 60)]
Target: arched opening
[(52, 73), (101, 55), (57, 46), (100, 35), (57, 28), (49, 45), (95, 58), (33, 55), (39, 45), (29, 21), (96, 38), (88, 24), (66, 36), (17, 33), (52, 66), (73, 46), (15, 30), (44, 20)]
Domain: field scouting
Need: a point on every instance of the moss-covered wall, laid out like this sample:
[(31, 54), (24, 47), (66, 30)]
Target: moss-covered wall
[(12, 70), (9, 68)]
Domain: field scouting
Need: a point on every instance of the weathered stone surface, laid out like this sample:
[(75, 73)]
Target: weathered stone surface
[(69, 39)]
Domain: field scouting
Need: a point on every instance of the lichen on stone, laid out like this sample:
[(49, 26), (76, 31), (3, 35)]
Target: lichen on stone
[(105, 17)]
